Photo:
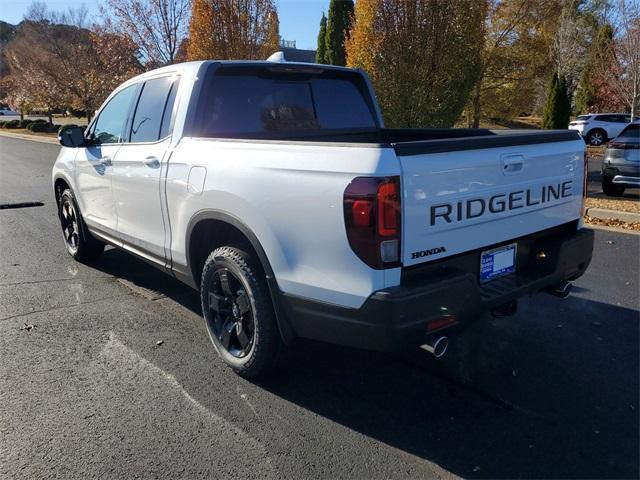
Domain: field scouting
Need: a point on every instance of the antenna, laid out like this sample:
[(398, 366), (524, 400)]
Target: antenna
[(277, 57)]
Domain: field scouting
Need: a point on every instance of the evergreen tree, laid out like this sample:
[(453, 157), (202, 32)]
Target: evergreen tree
[(338, 25), (587, 95), (557, 110), (322, 41), (585, 92), (564, 104), (549, 107)]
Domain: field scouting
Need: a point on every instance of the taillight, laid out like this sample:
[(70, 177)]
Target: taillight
[(372, 220)]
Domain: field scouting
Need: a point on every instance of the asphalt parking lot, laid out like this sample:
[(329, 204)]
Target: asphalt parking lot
[(87, 392)]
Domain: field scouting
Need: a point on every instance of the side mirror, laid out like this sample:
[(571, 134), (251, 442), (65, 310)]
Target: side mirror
[(71, 136)]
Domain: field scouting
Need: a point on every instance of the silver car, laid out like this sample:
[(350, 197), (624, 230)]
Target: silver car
[(621, 165)]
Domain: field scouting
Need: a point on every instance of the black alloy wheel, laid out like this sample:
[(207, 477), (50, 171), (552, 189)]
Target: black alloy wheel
[(69, 222), (79, 242), (238, 311), (233, 319)]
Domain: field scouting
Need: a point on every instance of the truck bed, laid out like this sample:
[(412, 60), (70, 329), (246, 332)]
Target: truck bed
[(414, 141)]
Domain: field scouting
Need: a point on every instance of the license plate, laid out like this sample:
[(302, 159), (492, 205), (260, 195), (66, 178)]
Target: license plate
[(497, 262)]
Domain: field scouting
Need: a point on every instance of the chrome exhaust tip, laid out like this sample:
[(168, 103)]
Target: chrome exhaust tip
[(561, 291), (437, 347)]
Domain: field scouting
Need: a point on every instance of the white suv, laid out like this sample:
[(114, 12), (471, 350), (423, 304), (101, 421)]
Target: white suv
[(597, 128)]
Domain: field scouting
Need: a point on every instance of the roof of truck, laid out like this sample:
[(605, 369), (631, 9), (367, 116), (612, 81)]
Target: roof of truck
[(193, 67)]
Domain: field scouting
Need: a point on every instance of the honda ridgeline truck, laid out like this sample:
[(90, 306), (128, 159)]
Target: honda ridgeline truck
[(277, 192)]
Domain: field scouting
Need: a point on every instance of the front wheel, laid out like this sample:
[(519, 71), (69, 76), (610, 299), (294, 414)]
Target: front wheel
[(237, 308), (80, 244)]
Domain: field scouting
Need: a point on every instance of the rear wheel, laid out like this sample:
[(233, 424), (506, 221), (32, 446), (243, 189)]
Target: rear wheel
[(80, 244), (596, 137), (237, 308), (611, 189)]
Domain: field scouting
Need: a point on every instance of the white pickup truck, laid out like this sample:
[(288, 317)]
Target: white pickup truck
[(275, 190)]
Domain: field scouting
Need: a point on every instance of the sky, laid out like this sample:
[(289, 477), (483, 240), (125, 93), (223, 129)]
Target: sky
[(299, 19)]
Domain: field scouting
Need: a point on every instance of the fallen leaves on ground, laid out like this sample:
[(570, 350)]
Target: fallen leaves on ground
[(623, 204), (596, 153)]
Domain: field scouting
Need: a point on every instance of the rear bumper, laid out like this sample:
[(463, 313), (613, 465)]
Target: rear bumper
[(621, 174), (397, 317)]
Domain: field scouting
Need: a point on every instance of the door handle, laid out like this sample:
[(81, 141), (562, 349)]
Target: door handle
[(512, 164), (106, 161), (152, 162)]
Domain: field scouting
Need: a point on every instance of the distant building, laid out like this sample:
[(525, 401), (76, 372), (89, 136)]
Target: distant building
[(293, 54)]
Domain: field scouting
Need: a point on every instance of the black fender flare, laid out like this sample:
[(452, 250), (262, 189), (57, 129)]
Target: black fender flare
[(286, 331)]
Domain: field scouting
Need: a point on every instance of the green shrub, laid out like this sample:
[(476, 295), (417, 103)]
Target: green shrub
[(37, 126), (24, 123), (12, 124), (40, 120), (2, 123)]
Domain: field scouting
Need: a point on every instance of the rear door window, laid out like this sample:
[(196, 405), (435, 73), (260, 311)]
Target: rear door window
[(256, 102), (153, 102)]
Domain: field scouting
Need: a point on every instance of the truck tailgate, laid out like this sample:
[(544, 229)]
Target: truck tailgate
[(461, 195)]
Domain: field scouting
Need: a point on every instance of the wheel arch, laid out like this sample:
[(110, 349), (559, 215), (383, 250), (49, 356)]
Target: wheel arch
[(60, 184), (210, 229)]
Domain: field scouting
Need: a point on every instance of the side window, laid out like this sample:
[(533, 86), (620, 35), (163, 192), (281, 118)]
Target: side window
[(109, 127), (603, 118), (147, 121)]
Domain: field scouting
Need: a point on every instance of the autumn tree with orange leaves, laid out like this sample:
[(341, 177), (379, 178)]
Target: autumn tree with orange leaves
[(422, 56), (233, 30)]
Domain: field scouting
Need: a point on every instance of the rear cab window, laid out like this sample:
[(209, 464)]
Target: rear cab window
[(281, 102)]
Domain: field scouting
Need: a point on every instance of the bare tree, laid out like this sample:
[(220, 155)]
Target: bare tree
[(39, 12), (158, 27), (621, 65), (578, 23)]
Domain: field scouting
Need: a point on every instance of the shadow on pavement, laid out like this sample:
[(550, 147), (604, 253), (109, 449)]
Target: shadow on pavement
[(551, 392)]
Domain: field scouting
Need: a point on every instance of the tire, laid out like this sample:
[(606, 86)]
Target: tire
[(238, 312), (611, 189), (596, 137), (80, 244)]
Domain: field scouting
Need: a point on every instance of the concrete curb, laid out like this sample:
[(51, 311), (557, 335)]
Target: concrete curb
[(611, 229), (25, 136), (605, 214)]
